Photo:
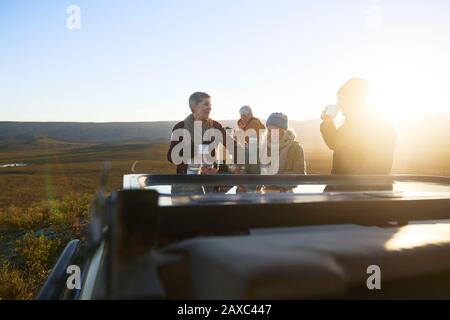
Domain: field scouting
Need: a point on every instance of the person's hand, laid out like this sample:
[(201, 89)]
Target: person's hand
[(326, 118), (209, 171), (324, 115), (329, 113)]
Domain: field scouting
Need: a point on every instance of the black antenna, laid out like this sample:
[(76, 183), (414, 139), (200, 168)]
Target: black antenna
[(98, 207), (106, 166)]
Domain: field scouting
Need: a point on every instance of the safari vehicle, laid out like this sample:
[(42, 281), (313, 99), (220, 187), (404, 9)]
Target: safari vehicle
[(263, 237)]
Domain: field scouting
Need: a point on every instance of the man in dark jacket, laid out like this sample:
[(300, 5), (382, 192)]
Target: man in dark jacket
[(200, 105), (365, 143)]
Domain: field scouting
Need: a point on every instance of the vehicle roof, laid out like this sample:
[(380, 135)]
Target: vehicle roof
[(175, 190)]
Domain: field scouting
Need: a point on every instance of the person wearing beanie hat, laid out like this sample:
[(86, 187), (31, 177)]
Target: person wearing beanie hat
[(248, 121), (246, 110), (278, 119), (365, 143), (291, 155)]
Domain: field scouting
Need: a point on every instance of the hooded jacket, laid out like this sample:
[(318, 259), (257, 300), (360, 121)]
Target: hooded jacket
[(291, 155)]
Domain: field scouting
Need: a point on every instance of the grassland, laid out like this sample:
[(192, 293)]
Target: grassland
[(45, 204), (54, 172)]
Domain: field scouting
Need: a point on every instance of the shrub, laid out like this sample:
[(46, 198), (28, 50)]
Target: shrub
[(13, 285), (40, 229), (15, 218), (35, 253), (69, 213)]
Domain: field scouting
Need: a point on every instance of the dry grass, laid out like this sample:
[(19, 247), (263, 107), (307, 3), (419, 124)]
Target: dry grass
[(13, 284), (46, 204)]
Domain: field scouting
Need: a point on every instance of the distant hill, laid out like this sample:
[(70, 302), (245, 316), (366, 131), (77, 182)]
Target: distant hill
[(33, 133), (85, 131), (38, 142)]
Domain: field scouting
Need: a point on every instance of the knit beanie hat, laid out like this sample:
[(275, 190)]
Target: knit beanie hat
[(246, 110), (278, 119)]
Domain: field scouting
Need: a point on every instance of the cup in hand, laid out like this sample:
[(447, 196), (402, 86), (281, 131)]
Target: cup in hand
[(330, 111)]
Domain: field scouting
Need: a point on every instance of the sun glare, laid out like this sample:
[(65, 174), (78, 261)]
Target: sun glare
[(413, 236), (405, 85)]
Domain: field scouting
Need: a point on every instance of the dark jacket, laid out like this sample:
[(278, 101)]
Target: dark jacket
[(182, 168), (363, 145)]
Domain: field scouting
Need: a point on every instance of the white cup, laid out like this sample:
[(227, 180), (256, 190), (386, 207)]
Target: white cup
[(330, 111)]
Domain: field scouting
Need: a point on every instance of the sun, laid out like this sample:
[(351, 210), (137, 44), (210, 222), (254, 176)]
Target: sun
[(405, 85), (403, 94)]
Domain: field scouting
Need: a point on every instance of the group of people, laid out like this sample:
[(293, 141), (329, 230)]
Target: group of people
[(364, 144)]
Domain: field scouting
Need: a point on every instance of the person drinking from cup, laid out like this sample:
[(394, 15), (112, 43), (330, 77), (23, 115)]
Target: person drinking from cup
[(365, 143)]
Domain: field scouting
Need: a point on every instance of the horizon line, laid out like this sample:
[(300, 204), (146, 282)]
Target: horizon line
[(406, 116)]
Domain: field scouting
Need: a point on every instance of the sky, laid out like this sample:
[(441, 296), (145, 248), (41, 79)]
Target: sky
[(140, 60)]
